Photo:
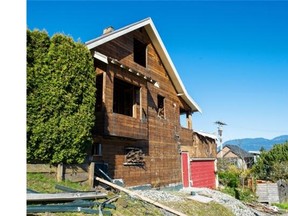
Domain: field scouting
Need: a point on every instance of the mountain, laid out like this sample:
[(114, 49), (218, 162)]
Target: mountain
[(255, 144)]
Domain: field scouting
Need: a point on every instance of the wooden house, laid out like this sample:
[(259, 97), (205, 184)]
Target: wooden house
[(140, 97), (237, 156)]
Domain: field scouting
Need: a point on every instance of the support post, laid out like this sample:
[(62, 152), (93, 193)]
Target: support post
[(60, 172), (91, 174), (189, 120)]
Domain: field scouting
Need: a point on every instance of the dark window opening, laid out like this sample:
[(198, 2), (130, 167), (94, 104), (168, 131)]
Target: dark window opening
[(140, 52), (161, 110), (97, 149), (99, 92), (126, 98)]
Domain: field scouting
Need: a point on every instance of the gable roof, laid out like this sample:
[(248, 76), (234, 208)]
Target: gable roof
[(238, 151), (161, 50)]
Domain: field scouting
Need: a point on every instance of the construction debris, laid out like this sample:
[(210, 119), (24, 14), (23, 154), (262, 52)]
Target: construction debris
[(81, 201), (264, 208), (34, 197), (63, 208)]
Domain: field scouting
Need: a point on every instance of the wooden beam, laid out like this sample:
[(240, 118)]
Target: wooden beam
[(136, 195)]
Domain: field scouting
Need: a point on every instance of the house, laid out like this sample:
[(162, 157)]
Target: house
[(140, 98), (256, 155), (237, 156)]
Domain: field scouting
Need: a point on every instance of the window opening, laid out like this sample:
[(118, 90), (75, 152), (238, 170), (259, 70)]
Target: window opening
[(161, 110), (97, 149), (134, 156), (126, 98), (140, 52), (99, 92)]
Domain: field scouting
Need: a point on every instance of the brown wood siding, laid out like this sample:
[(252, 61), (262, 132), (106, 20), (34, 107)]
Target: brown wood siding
[(159, 137), (198, 146), (122, 49), (126, 126), (161, 162)]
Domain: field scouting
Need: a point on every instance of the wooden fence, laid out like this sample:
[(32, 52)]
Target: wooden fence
[(75, 173), (269, 192)]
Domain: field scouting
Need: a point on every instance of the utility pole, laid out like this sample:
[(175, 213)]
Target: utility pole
[(220, 130)]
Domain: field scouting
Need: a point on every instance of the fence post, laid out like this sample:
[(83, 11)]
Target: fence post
[(91, 174), (60, 172)]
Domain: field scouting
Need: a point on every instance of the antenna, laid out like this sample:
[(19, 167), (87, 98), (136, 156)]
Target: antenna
[(220, 130)]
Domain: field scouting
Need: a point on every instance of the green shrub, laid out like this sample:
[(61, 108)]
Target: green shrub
[(60, 99), (229, 178), (272, 165)]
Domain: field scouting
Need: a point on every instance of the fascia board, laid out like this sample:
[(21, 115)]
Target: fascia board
[(160, 47)]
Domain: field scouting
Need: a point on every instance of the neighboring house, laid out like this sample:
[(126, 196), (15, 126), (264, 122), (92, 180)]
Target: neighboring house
[(255, 154), (236, 155), (140, 97)]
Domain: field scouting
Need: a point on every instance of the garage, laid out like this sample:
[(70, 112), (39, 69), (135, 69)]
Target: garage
[(202, 173)]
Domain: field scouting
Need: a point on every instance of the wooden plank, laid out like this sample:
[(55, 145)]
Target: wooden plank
[(63, 196), (136, 195), (76, 168), (41, 168)]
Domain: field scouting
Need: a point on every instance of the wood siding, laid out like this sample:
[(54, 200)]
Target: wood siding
[(159, 138), (198, 146)]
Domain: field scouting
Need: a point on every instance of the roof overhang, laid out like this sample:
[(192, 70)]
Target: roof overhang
[(159, 46), (212, 136)]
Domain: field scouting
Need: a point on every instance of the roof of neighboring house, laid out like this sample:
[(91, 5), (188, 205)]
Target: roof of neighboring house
[(238, 151), (161, 50)]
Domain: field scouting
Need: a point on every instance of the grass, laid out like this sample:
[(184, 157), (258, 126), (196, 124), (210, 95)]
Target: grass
[(125, 205), (45, 183), (242, 194), (281, 205)]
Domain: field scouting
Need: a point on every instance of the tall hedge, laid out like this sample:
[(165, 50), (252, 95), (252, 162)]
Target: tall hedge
[(61, 90)]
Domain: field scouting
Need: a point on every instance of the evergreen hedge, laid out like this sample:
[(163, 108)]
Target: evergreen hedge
[(61, 87)]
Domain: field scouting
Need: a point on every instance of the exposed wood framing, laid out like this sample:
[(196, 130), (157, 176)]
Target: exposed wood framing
[(133, 71)]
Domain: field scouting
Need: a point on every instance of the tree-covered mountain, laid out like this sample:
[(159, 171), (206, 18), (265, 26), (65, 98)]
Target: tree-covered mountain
[(255, 144)]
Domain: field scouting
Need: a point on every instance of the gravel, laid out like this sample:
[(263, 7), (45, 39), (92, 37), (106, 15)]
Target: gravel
[(158, 195), (236, 206)]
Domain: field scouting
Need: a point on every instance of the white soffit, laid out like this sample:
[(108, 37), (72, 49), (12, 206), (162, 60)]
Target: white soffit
[(101, 57), (212, 136), (159, 46)]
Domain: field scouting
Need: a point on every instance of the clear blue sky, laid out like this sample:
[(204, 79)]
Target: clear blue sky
[(231, 56)]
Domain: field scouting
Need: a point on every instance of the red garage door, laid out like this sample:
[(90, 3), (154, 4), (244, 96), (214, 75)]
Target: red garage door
[(202, 173)]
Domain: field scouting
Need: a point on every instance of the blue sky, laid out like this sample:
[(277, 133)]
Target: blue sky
[(232, 56)]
